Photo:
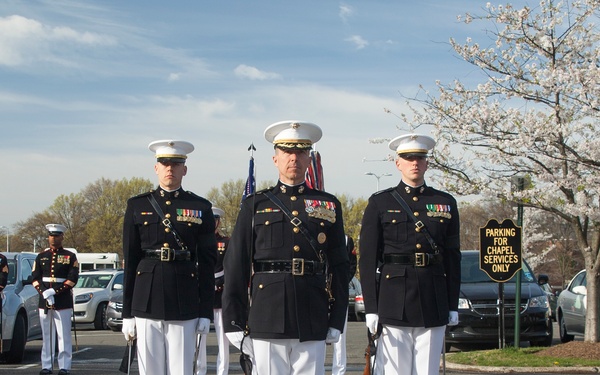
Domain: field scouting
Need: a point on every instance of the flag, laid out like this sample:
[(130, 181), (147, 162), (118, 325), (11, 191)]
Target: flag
[(314, 173), (250, 183)]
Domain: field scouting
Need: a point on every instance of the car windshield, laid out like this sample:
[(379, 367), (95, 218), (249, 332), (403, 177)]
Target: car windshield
[(93, 281), (471, 273)]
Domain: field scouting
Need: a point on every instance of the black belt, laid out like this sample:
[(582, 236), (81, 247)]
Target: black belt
[(417, 259), (166, 254), (297, 266)]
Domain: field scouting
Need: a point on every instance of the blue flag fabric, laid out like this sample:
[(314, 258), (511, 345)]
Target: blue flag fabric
[(250, 182)]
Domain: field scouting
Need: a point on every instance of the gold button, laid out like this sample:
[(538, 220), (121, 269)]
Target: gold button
[(165, 244), (418, 246), (393, 221), (322, 224), (293, 198), (295, 213), (416, 214), (189, 224), (168, 203), (387, 276), (168, 216), (267, 222), (296, 229), (139, 273), (441, 220), (145, 223), (416, 199), (417, 229), (261, 286), (296, 248), (167, 230)]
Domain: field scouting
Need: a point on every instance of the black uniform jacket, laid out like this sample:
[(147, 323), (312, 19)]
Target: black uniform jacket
[(169, 290), (286, 306), (222, 243), (52, 269), (406, 295), (3, 273)]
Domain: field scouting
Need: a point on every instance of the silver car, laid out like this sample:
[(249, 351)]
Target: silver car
[(20, 315), (92, 293), (571, 308)]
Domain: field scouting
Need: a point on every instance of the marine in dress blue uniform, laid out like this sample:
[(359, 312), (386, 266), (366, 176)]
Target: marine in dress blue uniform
[(410, 288), (54, 274), (290, 318), (169, 267)]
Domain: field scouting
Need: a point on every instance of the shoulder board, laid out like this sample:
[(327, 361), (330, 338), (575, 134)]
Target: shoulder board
[(263, 190), (384, 190), (197, 196), (143, 194)]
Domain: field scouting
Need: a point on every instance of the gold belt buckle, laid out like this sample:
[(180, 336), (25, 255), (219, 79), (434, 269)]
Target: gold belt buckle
[(420, 259), (165, 254), (298, 266)]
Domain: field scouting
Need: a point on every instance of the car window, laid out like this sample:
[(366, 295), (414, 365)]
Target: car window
[(580, 279), (26, 268), (93, 281), (118, 279)]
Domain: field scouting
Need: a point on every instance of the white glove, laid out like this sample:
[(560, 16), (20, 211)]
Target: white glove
[(453, 318), (372, 320), (203, 326), (48, 292), (333, 335), (128, 329), (50, 301), (235, 338)]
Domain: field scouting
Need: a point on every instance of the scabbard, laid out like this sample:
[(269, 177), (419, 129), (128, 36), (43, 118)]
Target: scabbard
[(128, 356)]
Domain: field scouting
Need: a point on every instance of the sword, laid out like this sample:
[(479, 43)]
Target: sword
[(130, 345), (1, 337), (197, 352), (75, 331), (444, 356), (49, 309)]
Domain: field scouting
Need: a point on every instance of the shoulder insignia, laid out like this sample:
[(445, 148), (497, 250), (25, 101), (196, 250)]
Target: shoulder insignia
[(384, 191)]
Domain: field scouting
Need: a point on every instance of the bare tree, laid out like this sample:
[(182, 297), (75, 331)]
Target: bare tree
[(535, 113)]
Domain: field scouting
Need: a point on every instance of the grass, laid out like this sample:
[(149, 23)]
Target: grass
[(515, 357)]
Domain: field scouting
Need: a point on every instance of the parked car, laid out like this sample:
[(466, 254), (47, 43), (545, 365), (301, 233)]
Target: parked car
[(478, 309), (359, 308), (91, 295), (571, 308), (544, 283), (353, 290), (114, 311), (20, 316)]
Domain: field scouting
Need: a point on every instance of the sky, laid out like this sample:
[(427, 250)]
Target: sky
[(85, 86)]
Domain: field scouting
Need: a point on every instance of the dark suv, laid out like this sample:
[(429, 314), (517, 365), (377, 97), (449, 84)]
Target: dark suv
[(478, 309)]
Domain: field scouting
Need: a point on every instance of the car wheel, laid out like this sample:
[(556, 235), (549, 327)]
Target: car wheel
[(562, 328), (100, 320), (19, 339)]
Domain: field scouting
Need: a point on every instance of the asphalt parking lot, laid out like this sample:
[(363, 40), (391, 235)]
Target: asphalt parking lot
[(100, 352)]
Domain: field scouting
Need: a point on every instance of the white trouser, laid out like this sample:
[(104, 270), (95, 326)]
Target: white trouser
[(338, 363), (60, 321), (410, 350), (289, 357), (222, 342), (166, 347)]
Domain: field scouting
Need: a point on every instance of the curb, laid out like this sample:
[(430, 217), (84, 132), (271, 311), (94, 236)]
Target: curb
[(523, 370)]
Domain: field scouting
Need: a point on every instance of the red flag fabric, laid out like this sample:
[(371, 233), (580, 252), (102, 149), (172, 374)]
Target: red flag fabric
[(314, 173)]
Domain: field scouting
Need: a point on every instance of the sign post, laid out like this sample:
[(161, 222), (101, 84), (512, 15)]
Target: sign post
[(500, 257)]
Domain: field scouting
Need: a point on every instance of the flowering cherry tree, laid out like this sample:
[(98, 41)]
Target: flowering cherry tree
[(535, 114)]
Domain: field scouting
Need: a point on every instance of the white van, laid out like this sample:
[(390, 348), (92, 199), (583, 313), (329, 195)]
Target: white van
[(98, 261)]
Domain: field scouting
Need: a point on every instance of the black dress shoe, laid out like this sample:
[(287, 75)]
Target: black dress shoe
[(45, 371), (63, 372)]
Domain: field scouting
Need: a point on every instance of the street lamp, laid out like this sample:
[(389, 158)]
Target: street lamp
[(377, 176), (7, 235)]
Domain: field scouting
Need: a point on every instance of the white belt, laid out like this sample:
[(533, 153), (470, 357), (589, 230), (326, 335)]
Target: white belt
[(219, 274), (54, 279)]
